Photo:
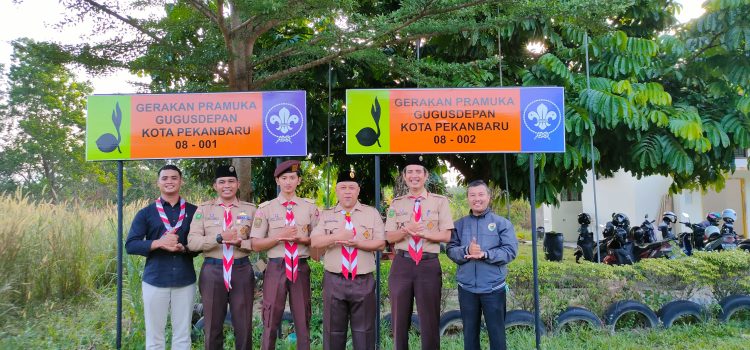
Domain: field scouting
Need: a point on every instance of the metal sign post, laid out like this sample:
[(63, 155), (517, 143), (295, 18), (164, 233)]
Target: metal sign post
[(534, 241)]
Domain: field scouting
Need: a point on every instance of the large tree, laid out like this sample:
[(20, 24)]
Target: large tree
[(42, 124), (638, 108)]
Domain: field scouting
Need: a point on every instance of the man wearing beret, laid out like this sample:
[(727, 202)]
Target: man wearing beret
[(220, 230), (483, 244), (416, 223), (350, 232), (282, 227), (159, 232)]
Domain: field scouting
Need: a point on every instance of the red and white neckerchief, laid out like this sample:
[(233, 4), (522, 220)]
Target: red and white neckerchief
[(163, 215), (227, 249), (349, 254), (415, 243), (291, 254)]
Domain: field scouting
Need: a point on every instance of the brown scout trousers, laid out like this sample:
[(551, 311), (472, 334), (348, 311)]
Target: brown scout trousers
[(215, 297), (275, 289), (409, 281), (343, 300)]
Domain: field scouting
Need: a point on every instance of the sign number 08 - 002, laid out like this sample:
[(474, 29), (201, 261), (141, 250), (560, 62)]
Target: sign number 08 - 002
[(458, 139)]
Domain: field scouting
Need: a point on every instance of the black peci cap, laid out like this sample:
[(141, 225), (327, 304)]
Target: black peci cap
[(225, 171), (415, 159), (345, 176)]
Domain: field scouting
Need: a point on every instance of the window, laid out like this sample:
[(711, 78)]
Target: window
[(570, 195)]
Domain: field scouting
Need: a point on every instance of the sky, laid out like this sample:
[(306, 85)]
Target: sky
[(34, 19)]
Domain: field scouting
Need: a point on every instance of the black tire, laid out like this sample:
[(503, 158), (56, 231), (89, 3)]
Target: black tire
[(286, 327), (449, 319), (201, 323), (616, 310), (521, 318), (674, 310), (385, 322), (732, 304), (577, 314)]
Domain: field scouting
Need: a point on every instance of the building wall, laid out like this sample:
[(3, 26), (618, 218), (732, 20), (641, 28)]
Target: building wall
[(729, 197), (623, 193)]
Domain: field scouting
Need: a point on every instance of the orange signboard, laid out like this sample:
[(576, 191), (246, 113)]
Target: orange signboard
[(188, 122), (203, 125), (471, 120), (438, 121)]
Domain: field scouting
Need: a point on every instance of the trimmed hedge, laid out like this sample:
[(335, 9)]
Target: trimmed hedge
[(705, 277)]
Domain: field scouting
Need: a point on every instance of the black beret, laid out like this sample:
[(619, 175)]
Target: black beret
[(414, 159), (225, 171), (289, 166), (347, 176)]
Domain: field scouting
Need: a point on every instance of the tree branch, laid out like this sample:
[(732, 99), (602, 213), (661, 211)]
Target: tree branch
[(128, 20)]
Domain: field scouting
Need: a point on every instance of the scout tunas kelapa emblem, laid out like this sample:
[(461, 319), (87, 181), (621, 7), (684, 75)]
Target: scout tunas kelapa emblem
[(108, 142), (367, 136), (366, 234)]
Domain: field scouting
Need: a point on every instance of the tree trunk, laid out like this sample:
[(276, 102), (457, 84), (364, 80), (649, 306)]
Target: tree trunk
[(239, 60)]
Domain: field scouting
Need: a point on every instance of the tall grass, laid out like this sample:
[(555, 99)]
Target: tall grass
[(52, 252)]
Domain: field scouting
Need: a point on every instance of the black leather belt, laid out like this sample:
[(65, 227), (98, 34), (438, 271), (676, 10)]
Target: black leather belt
[(425, 255), (281, 260), (214, 261)]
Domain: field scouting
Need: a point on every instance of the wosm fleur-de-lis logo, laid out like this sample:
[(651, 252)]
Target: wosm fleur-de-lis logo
[(543, 116), (285, 119)]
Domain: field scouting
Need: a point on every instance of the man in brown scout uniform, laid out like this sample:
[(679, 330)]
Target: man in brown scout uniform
[(417, 222), (282, 226), (220, 230), (351, 232)]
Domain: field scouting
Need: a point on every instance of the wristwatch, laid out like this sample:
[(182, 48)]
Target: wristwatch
[(219, 239)]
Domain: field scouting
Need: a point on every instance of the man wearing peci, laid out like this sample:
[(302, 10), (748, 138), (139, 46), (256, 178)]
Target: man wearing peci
[(416, 223), (351, 233), (221, 231), (482, 244), (159, 232)]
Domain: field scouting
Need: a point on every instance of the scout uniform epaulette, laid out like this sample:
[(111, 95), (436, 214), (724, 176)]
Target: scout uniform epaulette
[(266, 203), (247, 203)]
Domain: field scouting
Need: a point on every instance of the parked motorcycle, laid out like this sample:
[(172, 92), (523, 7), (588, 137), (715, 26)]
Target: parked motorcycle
[(694, 240), (727, 237)]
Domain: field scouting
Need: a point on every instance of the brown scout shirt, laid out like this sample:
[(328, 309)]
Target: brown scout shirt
[(208, 222), (271, 218), (436, 217), (368, 226)]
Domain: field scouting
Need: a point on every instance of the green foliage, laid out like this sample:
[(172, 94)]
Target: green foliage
[(42, 126)]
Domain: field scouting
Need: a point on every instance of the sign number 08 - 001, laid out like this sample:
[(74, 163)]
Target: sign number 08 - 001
[(182, 144)]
